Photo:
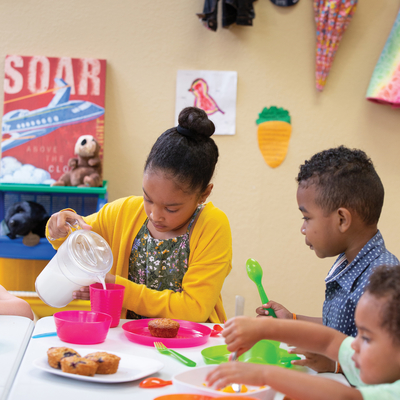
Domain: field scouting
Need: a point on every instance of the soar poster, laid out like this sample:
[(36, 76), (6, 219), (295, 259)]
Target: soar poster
[(49, 103)]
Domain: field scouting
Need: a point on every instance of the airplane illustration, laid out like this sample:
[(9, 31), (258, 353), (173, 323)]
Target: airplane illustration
[(21, 126)]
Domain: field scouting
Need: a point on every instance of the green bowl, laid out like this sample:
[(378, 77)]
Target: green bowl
[(263, 352)]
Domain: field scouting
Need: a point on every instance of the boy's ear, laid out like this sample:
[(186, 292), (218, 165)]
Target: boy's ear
[(344, 218), (206, 193)]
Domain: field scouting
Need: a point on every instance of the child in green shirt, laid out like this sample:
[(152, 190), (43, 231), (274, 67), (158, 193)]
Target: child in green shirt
[(370, 361)]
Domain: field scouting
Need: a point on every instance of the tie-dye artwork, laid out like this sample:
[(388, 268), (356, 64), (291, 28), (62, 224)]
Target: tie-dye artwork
[(212, 91)]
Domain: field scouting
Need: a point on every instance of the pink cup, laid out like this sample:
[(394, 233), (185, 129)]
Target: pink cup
[(107, 301)]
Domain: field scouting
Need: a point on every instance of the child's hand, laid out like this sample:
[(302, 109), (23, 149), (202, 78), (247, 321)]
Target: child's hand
[(241, 333), (110, 278), (58, 226), (317, 362), (280, 311), (82, 294), (236, 372)]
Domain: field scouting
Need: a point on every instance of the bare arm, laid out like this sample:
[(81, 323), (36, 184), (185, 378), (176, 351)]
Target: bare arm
[(315, 320), (241, 333), (12, 305), (284, 313), (296, 385)]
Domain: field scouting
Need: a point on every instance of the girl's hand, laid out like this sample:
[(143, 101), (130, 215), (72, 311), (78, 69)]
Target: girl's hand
[(82, 294), (280, 311), (317, 362), (236, 372), (110, 278), (241, 333), (58, 227)]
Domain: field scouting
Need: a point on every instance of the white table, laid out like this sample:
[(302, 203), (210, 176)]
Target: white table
[(34, 384), (15, 333)]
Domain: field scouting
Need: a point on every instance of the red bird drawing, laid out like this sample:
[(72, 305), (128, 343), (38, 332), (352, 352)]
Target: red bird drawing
[(202, 99)]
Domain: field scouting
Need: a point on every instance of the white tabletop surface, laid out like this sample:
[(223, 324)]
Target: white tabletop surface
[(34, 384), (15, 333)]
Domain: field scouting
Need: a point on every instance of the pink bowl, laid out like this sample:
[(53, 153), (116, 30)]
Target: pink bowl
[(82, 327)]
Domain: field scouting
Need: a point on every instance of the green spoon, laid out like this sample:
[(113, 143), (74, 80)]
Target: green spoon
[(255, 273)]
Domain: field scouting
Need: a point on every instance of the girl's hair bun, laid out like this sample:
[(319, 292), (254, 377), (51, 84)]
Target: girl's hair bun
[(197, 121)]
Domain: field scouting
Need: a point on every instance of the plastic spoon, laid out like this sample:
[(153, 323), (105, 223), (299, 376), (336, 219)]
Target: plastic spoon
[(150, 383), (255, 273), (239, 309)]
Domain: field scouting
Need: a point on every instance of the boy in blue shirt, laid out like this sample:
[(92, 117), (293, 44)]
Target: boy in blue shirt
[(371, 361), (340, 196)]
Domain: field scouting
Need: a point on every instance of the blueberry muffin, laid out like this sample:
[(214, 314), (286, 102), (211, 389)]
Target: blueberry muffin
[(106, 363), (56, 354), (78, 365), (163, 327)]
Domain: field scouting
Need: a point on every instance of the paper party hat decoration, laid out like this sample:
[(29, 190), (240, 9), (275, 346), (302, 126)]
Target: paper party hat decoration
[(332, 17), (385, 82)]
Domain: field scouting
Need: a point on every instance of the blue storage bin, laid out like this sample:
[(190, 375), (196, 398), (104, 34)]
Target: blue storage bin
[(84, 201)]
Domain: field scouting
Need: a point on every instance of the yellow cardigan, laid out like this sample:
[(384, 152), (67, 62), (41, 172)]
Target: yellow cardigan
[(210, 262)]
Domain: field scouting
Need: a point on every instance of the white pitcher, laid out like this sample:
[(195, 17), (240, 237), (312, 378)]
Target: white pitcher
[(84, 258)]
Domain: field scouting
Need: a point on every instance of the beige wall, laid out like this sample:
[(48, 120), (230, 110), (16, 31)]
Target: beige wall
[(146, 42)]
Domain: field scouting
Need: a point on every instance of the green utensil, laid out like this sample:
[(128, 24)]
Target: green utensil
[(263, 352), (255, 273), (168, 352)]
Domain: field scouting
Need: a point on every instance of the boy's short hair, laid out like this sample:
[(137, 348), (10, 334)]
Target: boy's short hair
[(385, 283), (344, 178)]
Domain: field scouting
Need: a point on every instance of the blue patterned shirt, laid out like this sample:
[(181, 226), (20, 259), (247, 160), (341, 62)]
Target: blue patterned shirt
[(346, 282)]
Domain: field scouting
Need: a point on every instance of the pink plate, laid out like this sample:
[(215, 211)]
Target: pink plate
[(190, 334)]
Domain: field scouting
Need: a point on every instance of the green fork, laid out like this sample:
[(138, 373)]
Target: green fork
[(168, 352)]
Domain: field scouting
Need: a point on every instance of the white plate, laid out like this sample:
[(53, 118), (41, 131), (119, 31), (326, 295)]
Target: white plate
[(130, 368)]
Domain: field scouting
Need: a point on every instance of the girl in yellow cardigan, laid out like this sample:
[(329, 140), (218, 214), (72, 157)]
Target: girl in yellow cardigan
[(171, 251)]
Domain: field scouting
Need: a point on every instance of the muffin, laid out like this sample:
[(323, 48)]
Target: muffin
[(78, 365), (56, 354), (106, 363), (163, 327)]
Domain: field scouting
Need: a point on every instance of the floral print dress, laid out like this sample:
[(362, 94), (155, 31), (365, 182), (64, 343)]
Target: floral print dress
[(160, 264)]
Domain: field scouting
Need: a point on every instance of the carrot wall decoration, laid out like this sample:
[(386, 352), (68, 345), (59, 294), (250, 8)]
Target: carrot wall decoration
[(274, 130)]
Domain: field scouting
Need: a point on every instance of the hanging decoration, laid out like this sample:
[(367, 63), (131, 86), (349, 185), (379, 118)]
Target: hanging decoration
[(240, 12), (332, 17), (274, 131), (385, 82)]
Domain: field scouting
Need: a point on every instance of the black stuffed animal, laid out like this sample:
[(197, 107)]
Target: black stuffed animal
[(25, 217)]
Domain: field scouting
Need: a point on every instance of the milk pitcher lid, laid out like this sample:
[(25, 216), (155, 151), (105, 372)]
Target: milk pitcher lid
[(90, 251)]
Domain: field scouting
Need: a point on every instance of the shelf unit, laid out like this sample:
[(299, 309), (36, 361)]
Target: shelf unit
[(19, 264)]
